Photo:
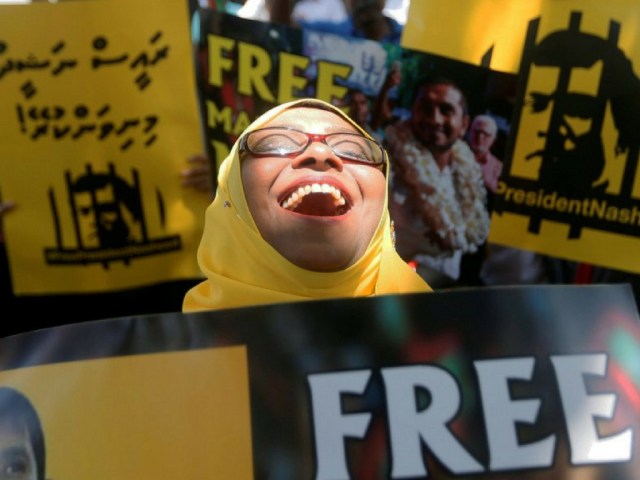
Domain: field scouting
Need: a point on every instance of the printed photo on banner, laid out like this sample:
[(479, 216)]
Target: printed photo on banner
[(445, 136), (571, 184)]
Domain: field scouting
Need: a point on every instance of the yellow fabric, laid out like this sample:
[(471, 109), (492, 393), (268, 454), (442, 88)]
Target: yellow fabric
[(242, 269)]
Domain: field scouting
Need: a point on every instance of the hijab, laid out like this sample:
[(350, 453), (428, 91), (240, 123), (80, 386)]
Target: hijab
[(242, 269)]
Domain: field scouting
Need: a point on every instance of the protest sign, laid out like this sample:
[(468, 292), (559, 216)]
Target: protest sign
[(516, 382), (569, 186), (100, 112)]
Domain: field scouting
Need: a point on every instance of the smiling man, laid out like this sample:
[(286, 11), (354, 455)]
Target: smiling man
[(300, 213)]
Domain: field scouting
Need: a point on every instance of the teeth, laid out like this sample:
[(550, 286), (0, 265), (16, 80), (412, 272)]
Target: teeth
[(292, 202)]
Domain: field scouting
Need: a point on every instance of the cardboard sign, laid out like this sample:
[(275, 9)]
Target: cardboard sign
[(570, 185), (527, 382), (100, 115)]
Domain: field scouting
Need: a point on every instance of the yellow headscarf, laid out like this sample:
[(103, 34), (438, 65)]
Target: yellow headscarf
[(242, 269)]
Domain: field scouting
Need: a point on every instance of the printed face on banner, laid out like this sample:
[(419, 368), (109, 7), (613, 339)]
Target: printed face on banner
[(17, 460), (438, 117), (22, 452), (570, 107), (482, 135)]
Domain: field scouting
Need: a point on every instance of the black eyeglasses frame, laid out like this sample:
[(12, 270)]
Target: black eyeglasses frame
[(312, 137)]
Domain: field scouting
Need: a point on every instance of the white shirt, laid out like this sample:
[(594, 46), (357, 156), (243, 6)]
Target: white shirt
[(320, 11)]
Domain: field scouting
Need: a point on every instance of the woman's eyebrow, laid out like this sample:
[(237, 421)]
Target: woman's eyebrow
[(329, 129)]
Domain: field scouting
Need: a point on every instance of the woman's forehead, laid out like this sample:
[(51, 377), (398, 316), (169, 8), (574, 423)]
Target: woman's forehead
[(312, 120)]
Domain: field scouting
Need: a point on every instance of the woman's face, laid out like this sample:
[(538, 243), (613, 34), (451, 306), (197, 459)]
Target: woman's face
[(321, 231)]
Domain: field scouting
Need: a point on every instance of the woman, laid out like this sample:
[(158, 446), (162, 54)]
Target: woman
[(300, 213)]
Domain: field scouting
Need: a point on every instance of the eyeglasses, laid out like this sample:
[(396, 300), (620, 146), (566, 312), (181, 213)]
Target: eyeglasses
[(289, 142)]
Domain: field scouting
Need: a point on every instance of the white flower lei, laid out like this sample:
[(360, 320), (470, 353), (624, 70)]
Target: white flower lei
[(459, 194)]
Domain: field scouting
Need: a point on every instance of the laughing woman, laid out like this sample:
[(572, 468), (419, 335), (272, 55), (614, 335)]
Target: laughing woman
[(300, 213)]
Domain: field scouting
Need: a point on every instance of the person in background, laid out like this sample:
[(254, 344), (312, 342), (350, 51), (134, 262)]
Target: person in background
[(198, 174), (438, 195), (329, 11), (374, 114), (358, 107), (274, 11), (370, 21), (382, 113), (302, 202), (363, 19), (398, 10)]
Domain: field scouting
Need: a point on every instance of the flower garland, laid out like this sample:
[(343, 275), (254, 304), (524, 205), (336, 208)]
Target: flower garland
[(451, 202)]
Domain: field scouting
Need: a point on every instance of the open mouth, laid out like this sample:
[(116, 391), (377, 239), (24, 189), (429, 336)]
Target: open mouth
[(316, 199)]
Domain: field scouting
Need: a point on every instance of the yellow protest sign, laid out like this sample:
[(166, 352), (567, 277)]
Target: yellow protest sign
[(492, 32), (100, 114), (570, 186)]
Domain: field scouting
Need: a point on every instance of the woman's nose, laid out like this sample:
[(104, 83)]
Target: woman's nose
[(318, 155)]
